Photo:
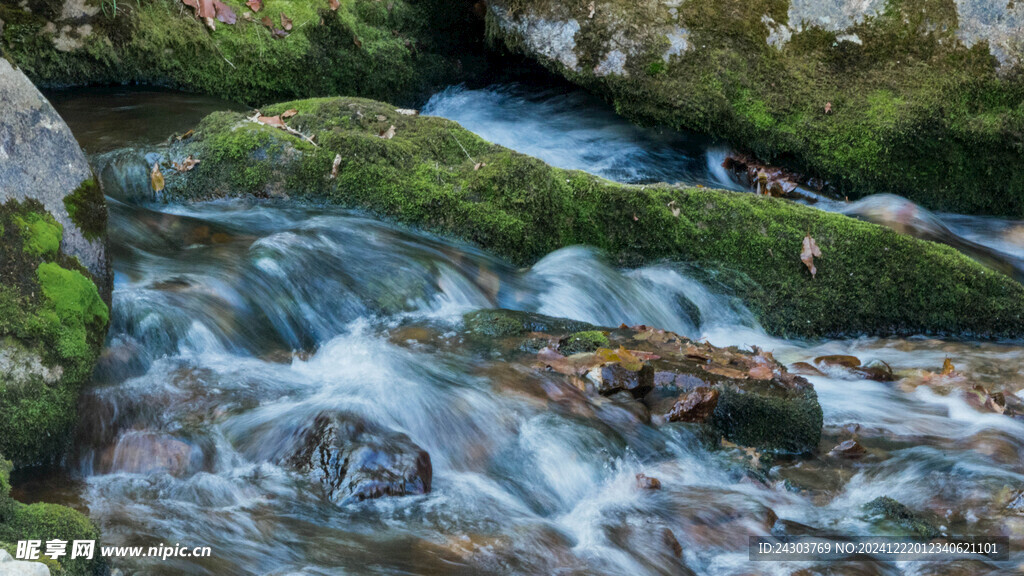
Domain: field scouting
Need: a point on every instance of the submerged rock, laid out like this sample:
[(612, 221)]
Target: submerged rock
[(434, 174), (697, 405), (54, 276), (916, 97), (355, 460), (903, 517)]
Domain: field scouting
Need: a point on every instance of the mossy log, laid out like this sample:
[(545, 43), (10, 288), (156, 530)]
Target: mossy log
[(436, 175)]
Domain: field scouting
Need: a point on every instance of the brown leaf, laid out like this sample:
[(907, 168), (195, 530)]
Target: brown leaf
[(592, 10), (357, 42), (838, 360), (388, 134), (478, 166), (761, 372), (334, 4), (828, 108), (286, 22), (267, 22), (194, 4), (186, 135), (809, 253), (274, 121), (186, 164), (727, 372), (334, 168), (289, 113), (224, 12), (255, 5), (156, 178)]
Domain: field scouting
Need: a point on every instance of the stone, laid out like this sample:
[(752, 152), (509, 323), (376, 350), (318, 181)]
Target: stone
[(355, 460), (11, 567), (696, 405), (617, 378), (848, 449), (645, 482), (40, 159)]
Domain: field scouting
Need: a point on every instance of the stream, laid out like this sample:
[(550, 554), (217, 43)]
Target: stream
[(236, 322)]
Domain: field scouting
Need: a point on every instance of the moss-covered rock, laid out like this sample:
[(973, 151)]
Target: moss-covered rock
[(397, 49), (756, 401), (923, 98), (54, 274), (888, 509), (45, 522), (434, 174)]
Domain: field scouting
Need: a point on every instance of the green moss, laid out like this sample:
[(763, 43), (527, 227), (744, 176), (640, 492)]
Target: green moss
[(397, 49), (587, 341), (49, 522), (870, 279), (773, 420), (6, 502), (501, 323), (52, 324), (41, 233), (87, 209)]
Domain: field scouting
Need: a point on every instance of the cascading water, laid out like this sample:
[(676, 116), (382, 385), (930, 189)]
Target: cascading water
[(236, 323)]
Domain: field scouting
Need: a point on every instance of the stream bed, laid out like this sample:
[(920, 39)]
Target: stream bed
[(236, 322)]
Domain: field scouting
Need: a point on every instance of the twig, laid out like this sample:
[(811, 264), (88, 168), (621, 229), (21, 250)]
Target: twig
[(461, 146)]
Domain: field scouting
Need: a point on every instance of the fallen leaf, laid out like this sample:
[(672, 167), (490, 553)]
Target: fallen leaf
[(947, 367), (407, 111), (255, 5), (672, 207), (388, 134), (357, 42), (843, 360), (267, 22), (186, 164), (286, 22), (334, 168), (334, 4), (828, 108), (478, 166), (635, 219), (592, 9), (186, 135), (761, 372), (224, 12), (809, 253), (727, 372), (156, 178), (289, 113)]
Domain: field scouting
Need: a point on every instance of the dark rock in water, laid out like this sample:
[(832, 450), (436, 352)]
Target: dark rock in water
[(645, 482), (696, 405), (617, 378), (848, 449), (355, 460), (650, 541), (902, 516)]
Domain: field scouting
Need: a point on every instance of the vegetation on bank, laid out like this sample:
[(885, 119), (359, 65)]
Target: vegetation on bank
[(895, 103), (397, 49), (45, 522), (434, 174), (52, 325)]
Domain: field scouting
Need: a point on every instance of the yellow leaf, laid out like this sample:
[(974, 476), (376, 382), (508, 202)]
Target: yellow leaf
[(809, 253), (156, 178)]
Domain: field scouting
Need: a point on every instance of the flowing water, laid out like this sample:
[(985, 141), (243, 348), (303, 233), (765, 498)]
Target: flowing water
[(236, 323)]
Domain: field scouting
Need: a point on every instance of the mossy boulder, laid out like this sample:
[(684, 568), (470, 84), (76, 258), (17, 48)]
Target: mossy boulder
[(398, 49), (922, 98), (434, 174), (54, 275)]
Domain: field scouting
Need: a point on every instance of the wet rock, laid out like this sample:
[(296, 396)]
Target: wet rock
[(501, 323), (848, 449), (645, 482), (696, 405), (11, 567), (650, 541), (355, 460), (842, 360), (903, 517), (616, 378), (138, 452)]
